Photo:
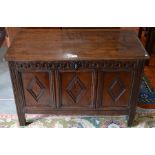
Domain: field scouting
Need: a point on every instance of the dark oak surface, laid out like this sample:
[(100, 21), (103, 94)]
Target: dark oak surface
[(75, 44), (76, 71)]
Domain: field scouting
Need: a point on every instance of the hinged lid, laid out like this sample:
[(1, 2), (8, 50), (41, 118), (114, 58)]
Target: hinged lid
[(75, 44)]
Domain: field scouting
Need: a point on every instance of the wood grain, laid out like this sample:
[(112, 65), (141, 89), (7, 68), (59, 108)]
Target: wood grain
[(75, 44), (104, 78)]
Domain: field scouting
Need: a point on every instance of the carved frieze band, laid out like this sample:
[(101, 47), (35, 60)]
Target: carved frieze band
[(75, 65)]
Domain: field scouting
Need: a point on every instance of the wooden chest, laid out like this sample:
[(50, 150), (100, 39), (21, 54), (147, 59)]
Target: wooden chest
[(76, 72)]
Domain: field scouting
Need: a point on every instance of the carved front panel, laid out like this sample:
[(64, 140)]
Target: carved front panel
[(37, 89), (116, 89), (76, 89)]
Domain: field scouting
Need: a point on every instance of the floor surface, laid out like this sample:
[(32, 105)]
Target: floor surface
[(7, 104)]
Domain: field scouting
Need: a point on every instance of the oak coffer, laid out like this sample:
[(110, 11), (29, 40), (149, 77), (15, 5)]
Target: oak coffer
[(76, 72)]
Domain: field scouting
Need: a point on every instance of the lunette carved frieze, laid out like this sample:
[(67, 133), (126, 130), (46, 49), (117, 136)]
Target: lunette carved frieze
[(75, 65)]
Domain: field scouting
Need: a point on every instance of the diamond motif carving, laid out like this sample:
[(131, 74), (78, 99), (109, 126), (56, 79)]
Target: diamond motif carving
[(116, 89), (36, 88), (76, 89)]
